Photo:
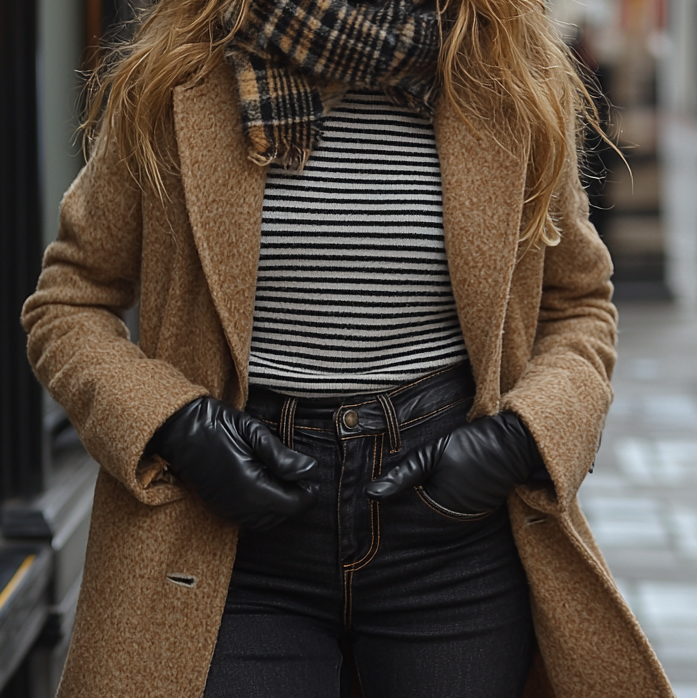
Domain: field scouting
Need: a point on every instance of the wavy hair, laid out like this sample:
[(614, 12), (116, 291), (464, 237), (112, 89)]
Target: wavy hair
[(129, 94), (503, 66)]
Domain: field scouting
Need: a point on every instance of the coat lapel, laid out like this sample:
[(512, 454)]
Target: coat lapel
[(483, 190), (224, 197)]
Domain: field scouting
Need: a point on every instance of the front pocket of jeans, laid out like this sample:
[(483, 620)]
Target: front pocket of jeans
[(448, 513)]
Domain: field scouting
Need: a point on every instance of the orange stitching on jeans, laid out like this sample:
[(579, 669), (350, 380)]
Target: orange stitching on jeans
[(387, 413), (376, 473), (379, 468), (374, 526), (274, 423), (438, 411), (338, 498), (402, 388), (282, 421), (352, 565), (374, 512), (409, 421), (429, 502), (348, 598), (392, 422), (357, 404), (290, 420)]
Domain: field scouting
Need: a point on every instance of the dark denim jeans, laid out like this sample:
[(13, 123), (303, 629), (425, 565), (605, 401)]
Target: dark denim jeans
[(427, 604)]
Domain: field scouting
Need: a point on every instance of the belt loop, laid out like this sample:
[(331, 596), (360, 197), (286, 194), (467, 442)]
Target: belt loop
[(286, 425), (392, 422)]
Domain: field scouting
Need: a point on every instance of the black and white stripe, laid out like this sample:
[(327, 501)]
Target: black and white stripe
[(353, 292)]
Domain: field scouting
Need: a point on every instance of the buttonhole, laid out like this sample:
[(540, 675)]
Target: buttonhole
[(182, 580), (532, 520)]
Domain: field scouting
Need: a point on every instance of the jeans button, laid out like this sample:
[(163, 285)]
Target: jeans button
[(350, 418)]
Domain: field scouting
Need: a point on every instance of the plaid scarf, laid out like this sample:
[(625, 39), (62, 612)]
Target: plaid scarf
[(294, 59)]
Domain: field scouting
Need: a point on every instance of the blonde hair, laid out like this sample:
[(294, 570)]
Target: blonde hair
[(129, 94), (502, 65)]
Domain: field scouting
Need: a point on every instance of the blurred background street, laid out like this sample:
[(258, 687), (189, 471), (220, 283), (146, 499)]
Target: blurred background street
[(641, 500)]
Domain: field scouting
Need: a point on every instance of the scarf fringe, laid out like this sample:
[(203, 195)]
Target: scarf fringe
[(293, 159), (288, 82)]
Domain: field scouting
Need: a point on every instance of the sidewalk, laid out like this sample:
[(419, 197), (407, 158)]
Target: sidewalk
[(641, 501)]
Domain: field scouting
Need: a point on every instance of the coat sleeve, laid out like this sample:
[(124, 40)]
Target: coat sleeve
[(78, 345), (564, 394)]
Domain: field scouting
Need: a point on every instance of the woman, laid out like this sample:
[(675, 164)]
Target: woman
[(397, 435)]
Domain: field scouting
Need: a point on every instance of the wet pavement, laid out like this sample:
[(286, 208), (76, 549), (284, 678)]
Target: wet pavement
[(641, 501)]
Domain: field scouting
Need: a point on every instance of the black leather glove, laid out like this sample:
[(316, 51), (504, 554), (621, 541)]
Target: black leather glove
[(240, 470), (470, 471)]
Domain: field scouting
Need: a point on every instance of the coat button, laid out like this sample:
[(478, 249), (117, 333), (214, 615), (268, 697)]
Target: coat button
[(350, 418)]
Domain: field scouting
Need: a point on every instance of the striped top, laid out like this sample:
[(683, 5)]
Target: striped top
[(353, 290)]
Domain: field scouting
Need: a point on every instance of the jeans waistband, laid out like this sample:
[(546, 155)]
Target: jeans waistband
[(391, 412)]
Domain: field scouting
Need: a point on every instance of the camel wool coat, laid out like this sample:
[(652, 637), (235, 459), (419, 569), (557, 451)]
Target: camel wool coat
[(539, 327)]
